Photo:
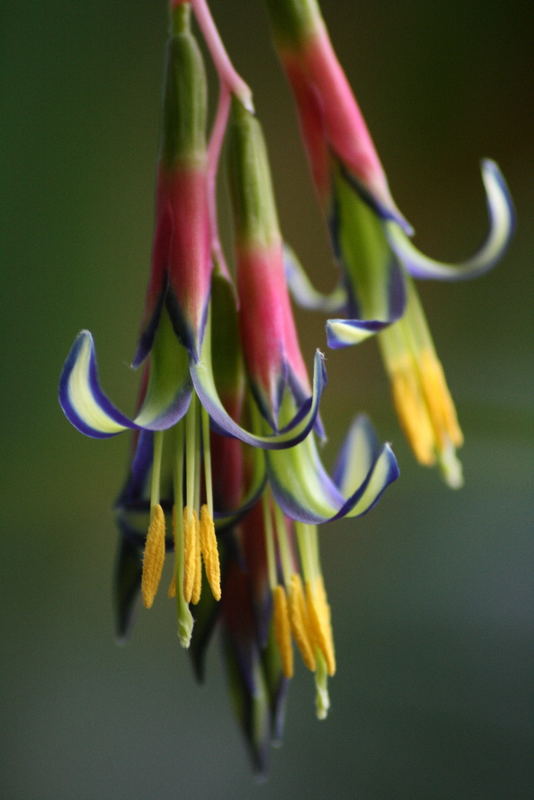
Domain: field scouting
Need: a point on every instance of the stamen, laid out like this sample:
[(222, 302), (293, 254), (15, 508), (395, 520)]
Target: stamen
[(439, 400), (320, 622), (412, 410), (154, 553), (282, 630), (153, 556), (191, 443), (210, 552), (197, 583), (421, 395), (206, 452), (190, 551), (185, 618), (300, 622)]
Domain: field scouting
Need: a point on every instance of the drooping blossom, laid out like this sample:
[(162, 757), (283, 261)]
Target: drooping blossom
[(370, 238)]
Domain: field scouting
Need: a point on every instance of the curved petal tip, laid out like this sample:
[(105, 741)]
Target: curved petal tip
[(501, 216)]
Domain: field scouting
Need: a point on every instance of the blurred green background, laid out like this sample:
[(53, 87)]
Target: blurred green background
[(432, 593)]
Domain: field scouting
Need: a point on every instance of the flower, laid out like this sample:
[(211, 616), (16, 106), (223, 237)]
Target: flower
[(175, 344), (190, 347), (370, 238), (225, 436), (266, 509)]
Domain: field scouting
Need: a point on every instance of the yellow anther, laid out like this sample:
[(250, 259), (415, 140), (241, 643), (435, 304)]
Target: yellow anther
[(300, 621), (439, 401), (282, 630), (320, 622), (191, 547), (153, 556), (197, 584), (412, 410), (210, 552)]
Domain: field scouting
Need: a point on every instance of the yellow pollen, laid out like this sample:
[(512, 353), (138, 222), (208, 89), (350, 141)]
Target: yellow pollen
[(282, 630), (320, 622), (210, 553), (197, 585), (153, 556), (412, 410), (191, 545), (439, 400), (300, 621)]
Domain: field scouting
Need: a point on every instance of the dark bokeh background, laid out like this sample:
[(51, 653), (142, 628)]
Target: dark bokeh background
[(432, 593)]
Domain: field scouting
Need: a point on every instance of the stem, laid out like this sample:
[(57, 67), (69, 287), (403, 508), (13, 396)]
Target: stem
[(224, 67)]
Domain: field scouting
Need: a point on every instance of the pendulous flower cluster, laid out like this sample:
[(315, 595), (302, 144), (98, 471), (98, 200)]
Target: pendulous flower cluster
[(226, 477)]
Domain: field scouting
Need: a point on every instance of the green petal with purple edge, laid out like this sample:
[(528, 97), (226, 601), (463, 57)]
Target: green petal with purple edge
[(304, 294), (294, 430), (88, 408), (346, 332), (502, 223), (373, 275), (306, 492)]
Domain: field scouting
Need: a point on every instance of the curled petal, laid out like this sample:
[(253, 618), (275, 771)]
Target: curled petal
[(502, 222), (90, 411), (306, 492), (360, 448), (295, 431), (305, 294), (346, 332)]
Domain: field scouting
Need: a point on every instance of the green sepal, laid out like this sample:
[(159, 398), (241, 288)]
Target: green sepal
[(362, 246)]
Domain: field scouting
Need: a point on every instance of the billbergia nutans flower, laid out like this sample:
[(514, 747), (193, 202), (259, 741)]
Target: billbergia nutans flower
[(370, 238), (175, 343), (228, 418)]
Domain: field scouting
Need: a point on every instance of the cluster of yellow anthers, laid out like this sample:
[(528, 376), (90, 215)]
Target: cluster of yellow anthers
[(424, 406), (420, 392), (300, 607), (303, 614), (199, 545)]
